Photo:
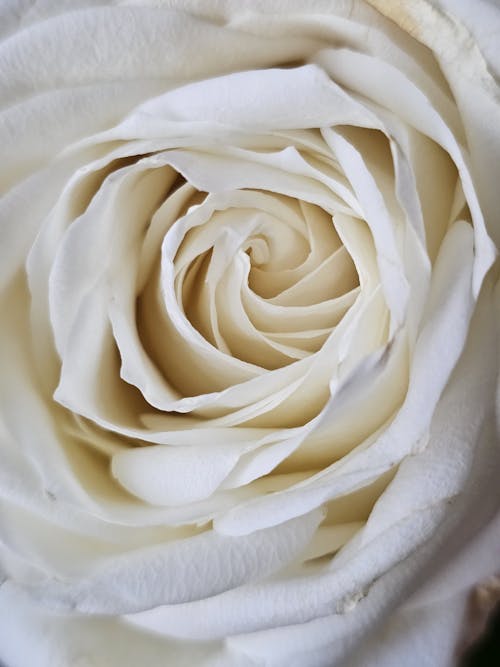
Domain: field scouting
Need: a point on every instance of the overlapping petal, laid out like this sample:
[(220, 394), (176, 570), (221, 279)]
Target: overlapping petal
[(238, 298)]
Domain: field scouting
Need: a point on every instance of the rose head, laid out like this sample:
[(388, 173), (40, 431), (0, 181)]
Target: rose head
[(249, 337)]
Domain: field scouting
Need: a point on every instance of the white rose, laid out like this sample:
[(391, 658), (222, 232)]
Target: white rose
[(249, 343)]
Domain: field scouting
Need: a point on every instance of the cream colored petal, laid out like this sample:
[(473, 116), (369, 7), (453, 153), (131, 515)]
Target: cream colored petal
[(380, 81), (164, 475), (445, 329)]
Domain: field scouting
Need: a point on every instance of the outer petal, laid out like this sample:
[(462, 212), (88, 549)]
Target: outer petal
[(29, 635)]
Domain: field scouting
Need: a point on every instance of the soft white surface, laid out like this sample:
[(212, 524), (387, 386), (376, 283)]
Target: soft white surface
[(142, 519)]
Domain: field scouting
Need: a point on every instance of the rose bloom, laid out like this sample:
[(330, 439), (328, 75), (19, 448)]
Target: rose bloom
[(249, 334)]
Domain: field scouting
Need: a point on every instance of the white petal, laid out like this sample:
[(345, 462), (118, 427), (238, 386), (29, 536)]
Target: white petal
[(301, 97), (164, 475), (204, 565), (30, 634)]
